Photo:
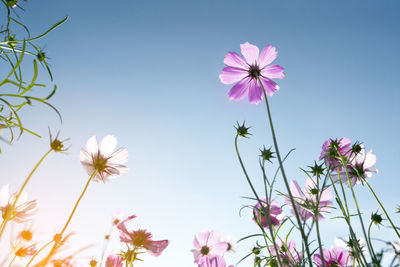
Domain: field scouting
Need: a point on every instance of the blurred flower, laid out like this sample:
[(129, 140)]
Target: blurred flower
[(361, 166), (332, 148), (93, 263), (26, 234), (349, 246), (102, 159), (306, 203), (114, 261), (395, 248), (141, 239), (24, 251), (287, 253), (117, 218), (231, 244), (23, 208), (333, 258), (215, 261), (276, 214), (208, 244), (56, 144), (246, 72), (12, 3)]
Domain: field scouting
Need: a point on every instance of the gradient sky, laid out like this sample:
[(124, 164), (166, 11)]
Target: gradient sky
[(147, 72)]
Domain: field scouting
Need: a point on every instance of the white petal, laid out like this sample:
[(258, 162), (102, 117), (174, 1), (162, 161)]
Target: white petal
[(108, 144), (84, 157), (92, 145), (4, 195), (119, 157)]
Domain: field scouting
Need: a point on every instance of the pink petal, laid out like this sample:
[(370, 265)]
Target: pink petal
[(296, 191), (255, 92), (84, 157), (232, 59), (122, 227), (270, 86), (273, 72), (250, 53), (218, 248), (231, 75), (268, 54), (92, 145), (107, 145), (157, 247), (240, 90)]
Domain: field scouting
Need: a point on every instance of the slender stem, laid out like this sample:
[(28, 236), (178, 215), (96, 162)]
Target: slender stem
[(105, 245), (284, 175), (37, 252), (383, 208), (358, 208), (56, 243), (77, 202), (12, 261), (321, 251), (11, 211), (347, 219), (369, 237)]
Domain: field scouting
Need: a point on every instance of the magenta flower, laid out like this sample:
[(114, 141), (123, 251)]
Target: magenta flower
[(306, 202), (114, 261), (208, 244), (247, 72), (141, 239), (334, 258), (361, 166), (287, 253), (216, 261), (103, 159), (332, 148), (276, 214)]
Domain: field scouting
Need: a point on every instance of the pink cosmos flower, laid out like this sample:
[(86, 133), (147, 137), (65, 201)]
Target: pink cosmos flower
[(306, 201), (331, 148), (276, 214), (114, 261), (22, 210), (208, 244), (216, 261), (141, 238), (247, 72), (361, 166), (333, 258), (102, 159), (287, 252)]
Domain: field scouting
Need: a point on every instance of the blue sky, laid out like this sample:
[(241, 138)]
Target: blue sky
[(147, 72)]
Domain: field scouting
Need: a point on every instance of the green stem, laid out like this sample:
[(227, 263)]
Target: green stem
[(383, 208), (347, 219), (321, 251), (369, 237), (10, 212), (358, 208), (284, 175), (251, 186)]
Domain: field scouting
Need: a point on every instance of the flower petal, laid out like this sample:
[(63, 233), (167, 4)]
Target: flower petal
[(119, 157), (92, 145), (107, 145), (155, 248), (270, 86), (268, 54), (240, 90), (255, 92), (231, 75), (232, 59), (250, 53), (4, 195), (273, 72)]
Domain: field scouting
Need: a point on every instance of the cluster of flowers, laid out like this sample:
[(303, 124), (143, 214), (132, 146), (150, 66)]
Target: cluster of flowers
[(102, 162), (209, 249), (343, 163)]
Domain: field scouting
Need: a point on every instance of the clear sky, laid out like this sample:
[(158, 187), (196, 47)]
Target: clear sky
[(147, 72)]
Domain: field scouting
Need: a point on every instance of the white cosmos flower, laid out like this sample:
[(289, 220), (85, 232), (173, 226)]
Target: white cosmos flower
[(103, 159), (23, 208), (349, 247)]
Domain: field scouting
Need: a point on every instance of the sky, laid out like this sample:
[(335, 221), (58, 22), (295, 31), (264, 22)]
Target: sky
[(147, 73)]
